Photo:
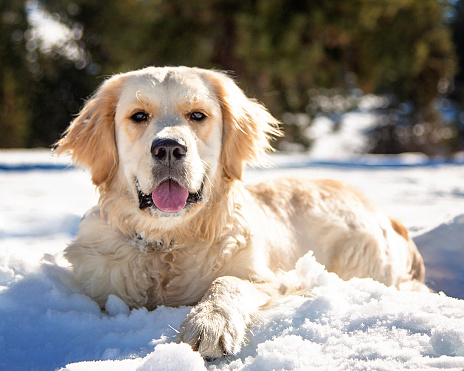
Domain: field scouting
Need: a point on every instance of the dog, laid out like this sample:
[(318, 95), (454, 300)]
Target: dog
[(175, 225)]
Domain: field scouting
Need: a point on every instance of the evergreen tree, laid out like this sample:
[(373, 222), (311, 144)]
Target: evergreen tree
[(280, 51), (14, 103)]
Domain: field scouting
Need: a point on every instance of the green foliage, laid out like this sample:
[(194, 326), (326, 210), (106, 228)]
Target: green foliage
[(457, 26), (400, 47), (280, 50), (14, 117)]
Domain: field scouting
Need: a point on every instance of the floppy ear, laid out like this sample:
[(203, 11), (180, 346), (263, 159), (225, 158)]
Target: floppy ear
[(90, 138), (248, 126)]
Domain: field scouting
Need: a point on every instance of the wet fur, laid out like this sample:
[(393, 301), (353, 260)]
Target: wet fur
[(226, 254)]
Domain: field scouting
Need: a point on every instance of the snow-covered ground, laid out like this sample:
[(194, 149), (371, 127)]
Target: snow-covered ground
[(354, 325)]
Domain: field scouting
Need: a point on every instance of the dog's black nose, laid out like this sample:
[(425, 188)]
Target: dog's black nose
[(168, 150)]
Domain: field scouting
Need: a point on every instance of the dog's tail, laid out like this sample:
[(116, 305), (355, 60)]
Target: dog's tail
[(415, 263)]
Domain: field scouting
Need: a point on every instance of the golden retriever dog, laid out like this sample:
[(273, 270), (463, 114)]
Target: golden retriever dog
[(175, 224)]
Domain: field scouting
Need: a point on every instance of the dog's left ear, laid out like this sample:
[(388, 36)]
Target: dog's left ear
[(248, 126), (90, 138)]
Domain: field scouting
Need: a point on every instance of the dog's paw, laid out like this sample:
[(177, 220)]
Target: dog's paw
[(214, 331)]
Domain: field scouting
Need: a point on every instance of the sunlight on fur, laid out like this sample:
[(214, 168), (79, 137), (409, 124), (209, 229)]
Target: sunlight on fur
[(175, 224)]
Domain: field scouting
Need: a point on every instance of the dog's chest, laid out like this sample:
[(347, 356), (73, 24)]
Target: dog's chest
[(173, 277)]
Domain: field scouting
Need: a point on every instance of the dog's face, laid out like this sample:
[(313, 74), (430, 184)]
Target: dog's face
[(168, 127), (168, 137)]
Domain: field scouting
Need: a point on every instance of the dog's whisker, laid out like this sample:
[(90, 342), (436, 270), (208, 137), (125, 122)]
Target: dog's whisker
[(208, 170), (174, 329)]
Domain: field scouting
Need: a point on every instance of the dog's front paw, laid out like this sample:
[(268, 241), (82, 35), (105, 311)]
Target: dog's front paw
[(213, 331), (217, 325)]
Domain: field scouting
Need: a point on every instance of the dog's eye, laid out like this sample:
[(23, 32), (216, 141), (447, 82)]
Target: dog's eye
[(197, 116), (139, 117)]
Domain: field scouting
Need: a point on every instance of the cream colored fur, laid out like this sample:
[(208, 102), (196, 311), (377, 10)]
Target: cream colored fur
[(226, 253)]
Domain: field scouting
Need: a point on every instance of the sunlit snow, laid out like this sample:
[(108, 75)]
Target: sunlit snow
[(46, 324)]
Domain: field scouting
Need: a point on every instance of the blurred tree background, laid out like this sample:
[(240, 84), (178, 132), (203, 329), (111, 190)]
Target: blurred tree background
[(286, 53)]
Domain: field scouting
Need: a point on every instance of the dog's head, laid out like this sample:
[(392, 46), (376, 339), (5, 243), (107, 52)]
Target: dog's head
[(166, 137)]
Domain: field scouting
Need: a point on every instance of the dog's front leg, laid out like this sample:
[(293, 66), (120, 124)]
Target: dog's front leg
[(217, 325)]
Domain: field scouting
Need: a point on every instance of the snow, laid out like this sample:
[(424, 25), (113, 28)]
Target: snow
[(46, 324), (342, 142)]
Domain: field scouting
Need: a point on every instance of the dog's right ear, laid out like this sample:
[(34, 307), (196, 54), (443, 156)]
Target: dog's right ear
[(90, 139)]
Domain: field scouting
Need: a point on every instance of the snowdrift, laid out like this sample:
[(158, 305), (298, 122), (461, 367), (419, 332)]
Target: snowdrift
[(46, 324)]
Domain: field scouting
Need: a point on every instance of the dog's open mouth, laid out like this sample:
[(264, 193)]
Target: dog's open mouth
[(169, 196)]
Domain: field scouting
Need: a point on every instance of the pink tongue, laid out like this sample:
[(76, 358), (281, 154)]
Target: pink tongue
[(170, 196)]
